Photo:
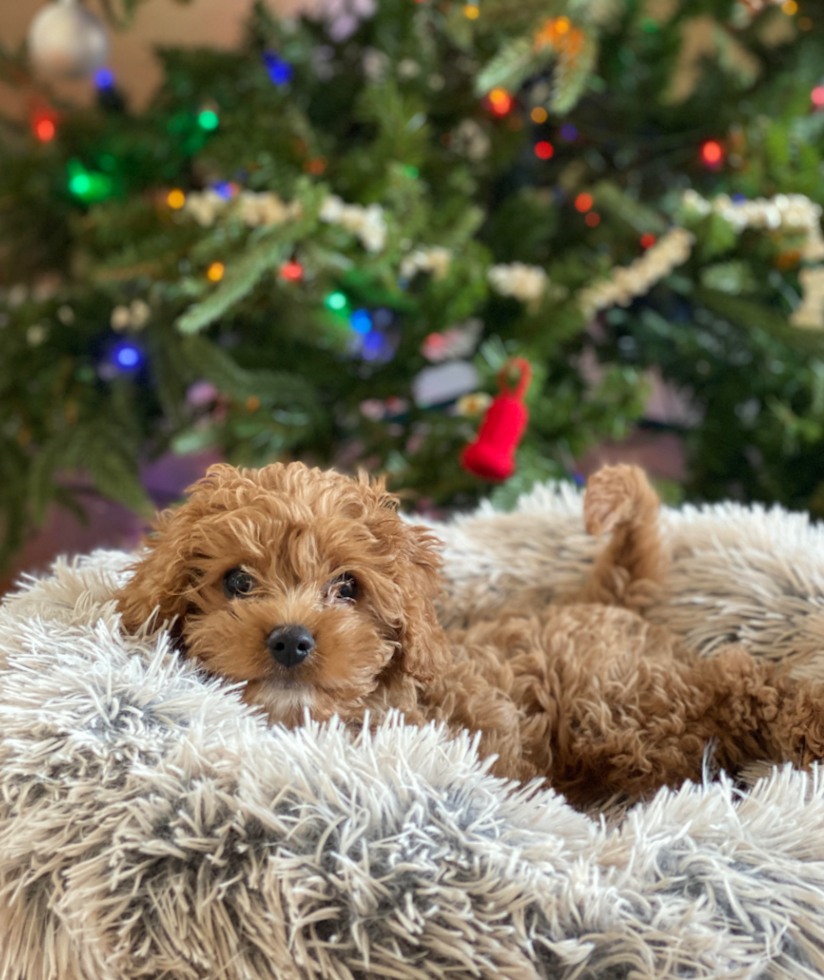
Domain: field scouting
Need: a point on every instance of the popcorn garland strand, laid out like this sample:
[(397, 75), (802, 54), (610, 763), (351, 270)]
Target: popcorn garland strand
[(436, 260), (809, 314), (526, 283), (265, 208), (792, 214), (628, 282)]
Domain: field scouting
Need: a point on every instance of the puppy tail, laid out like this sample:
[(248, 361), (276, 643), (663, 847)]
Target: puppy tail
[(620, 500)]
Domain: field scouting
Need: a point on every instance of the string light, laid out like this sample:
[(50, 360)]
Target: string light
[(280, 72), (208, 120), (569, 132), (817, 95), (544, 150), (593, 219), (176, 199), (539, 115), (291, 271), (583, 202), (215, 271), (472, 11), (226, 190), (790, 8), (88, 185), (44, 129), (336, 302), (104, 78), (712, 153), (361, 321), (500, 102), (127, 357), (648, 240)]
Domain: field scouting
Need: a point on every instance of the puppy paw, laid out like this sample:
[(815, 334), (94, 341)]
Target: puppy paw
[(807, 730), (616, 495)]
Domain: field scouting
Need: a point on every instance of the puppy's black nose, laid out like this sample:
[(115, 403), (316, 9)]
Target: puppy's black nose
[(290, 645)]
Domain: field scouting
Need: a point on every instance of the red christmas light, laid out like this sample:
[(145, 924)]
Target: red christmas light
[(648, 240), (544, 150), (499, 102), (583, 202), (44, 128), (817, 95), (292, 271), (593, 219), (712, 153)]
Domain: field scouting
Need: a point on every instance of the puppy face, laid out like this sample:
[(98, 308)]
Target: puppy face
[(303, 584)]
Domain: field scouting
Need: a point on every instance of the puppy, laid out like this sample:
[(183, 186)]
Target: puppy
[(307, 587)]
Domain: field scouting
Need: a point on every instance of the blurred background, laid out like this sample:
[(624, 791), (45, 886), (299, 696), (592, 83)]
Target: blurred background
[(382, 234)]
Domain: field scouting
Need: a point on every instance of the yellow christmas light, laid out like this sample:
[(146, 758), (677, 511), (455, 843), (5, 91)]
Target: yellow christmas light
[(215, 271), (176, 199), (472, 11), (539, 115), (561, 34), (790, 8)]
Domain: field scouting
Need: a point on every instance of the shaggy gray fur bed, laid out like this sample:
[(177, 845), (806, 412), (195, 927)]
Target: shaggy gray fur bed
[(153, 827)]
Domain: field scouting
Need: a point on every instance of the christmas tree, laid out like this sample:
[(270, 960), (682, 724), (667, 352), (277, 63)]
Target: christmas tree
[(329, 243)]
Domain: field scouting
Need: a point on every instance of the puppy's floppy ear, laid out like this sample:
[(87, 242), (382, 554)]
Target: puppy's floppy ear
[(162, 577), (425, 651)]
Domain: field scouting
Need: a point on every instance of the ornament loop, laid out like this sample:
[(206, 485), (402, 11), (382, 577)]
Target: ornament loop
[(523, 383)]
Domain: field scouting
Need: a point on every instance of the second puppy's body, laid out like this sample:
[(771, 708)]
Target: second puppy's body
[(307, 587)]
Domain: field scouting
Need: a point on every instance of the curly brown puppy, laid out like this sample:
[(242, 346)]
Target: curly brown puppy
[(307, 587)]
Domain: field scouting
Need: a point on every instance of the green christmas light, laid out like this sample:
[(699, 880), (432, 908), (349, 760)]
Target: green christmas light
[(208, 120), (88, 185), (336, 302), (80, 185)]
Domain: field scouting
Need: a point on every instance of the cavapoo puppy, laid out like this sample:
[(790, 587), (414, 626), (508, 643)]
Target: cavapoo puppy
[(307, 587)]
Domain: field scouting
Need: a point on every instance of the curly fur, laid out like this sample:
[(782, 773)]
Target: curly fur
[(584, 693)]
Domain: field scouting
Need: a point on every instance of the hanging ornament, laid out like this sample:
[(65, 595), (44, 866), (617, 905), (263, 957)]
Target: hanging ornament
[(444, 383), (67, 41), (492, 455), (458, 341)]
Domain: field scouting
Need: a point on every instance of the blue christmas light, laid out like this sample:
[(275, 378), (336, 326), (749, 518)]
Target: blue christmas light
[(376, 347), (104, 78), (382, 318), (361, 321), (280, 72), (569, 132), (127, 357), (224, 190), (739, 198)]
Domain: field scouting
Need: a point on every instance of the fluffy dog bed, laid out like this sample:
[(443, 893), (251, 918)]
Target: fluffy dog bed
[(153, 827)]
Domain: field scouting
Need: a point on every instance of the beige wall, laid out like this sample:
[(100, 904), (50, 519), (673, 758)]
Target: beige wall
[(215, 22)]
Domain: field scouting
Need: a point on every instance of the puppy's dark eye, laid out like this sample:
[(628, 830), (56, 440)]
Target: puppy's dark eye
[(237, 583), (346, 588)]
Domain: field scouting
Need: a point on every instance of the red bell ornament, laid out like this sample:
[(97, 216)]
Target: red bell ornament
[(492, 455)]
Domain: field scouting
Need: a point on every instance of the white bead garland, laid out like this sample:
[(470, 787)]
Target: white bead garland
[(628, 282), (368, 223), (526, 283), (435, 260), (132, 317), (809, 313), (791, 213)]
